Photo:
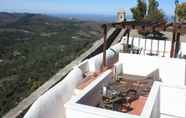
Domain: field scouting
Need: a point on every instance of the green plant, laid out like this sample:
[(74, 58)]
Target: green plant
[(154, 13), (139, 11), (151, 12), (181, 11)]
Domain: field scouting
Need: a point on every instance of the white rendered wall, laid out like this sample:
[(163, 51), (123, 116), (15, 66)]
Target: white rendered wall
[(183, 48), (173, 101), (51, 104), (112, 55), (84, 66), (152, 105), (92, 94), (171, 71), (75, 108), (92, 112)]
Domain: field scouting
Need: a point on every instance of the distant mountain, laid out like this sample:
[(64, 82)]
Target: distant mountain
[(87, 17), (90, 17), (33, 47), (7, 18)]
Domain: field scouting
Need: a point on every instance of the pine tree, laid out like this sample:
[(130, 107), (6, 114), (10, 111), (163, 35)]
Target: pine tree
[(181, 12), (139, 11), (153, 13)]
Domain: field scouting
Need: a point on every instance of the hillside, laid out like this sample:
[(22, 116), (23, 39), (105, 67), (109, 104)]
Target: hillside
[(33, 47)]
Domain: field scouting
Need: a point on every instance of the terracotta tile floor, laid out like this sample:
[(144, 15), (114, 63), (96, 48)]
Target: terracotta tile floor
[(138, 105)]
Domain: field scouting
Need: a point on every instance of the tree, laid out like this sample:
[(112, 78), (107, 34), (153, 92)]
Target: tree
[(153, 13), (181, 11), (139, 11)]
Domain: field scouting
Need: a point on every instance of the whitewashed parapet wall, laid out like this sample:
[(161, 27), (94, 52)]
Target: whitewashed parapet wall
[(51, 104), (167, 97), (83, 105), (171, 71)]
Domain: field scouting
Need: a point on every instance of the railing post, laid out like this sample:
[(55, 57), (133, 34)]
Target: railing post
[(145, 45), (104, 45), (158, 43), (164, 50), (172, 44), (128, 36), (151, 51), (132, 45), (177, 45)]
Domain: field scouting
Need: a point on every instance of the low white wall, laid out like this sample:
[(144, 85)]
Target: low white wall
[(82, 106), (112, 56), (152, 105), (94, 94), (171, 71), (84, 66), (183, 49), (84, 111), (173, 101), (51, 104)]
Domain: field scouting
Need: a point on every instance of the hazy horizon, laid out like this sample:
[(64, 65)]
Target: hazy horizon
[(87, 16), (98, 7)]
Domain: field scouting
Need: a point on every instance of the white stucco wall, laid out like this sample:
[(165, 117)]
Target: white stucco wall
[(173, 101), (171, 71), (83, 105), (84, 66), (112, 56), (51, 104), (152, 105)]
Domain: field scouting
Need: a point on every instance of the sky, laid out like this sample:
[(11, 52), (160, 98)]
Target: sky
[(105, 7)]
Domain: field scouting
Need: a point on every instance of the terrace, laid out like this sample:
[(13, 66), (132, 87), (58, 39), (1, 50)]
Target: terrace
[(130, 89)]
